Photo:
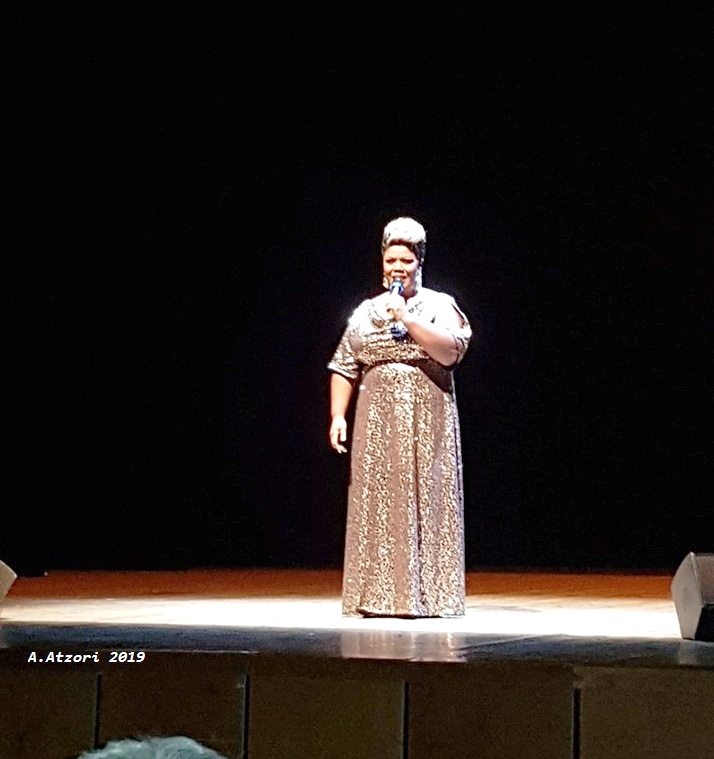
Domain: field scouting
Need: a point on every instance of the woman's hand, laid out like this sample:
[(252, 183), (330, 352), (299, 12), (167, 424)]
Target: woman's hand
[(395, 306), (338, 433)]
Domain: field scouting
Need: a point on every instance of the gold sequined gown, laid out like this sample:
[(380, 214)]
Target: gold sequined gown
[(404, 543)]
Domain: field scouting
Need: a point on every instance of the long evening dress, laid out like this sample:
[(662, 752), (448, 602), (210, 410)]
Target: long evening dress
[(404, 542)]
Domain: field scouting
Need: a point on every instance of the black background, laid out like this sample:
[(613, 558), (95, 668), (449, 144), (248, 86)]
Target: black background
[(196, 201)]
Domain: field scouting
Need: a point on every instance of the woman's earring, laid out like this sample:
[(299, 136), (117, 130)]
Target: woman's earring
[(385, 282)]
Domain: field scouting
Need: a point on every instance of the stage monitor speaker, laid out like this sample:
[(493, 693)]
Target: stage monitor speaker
[(7, 578), (693, 596)]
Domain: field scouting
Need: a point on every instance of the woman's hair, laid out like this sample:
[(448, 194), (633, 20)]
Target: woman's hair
[(174, 747), (406, 231)]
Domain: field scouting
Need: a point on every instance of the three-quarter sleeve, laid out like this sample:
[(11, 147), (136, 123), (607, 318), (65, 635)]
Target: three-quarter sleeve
[(462, 335), (344, 360)]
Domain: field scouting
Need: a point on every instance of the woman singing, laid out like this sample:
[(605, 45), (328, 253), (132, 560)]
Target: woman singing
[(404, 544)]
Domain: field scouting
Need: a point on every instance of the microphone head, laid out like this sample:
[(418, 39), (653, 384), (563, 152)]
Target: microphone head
[(397, 286)]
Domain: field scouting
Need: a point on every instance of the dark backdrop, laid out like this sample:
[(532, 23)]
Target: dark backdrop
[(196, 204)]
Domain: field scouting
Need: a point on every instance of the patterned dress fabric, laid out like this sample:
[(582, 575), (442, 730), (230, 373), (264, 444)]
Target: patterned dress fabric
[(404, 543)]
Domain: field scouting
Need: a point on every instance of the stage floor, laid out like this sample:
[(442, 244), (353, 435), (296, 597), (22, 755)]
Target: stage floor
[(580, 618), (261, 663)]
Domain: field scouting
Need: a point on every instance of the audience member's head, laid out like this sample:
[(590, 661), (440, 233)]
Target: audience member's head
[(173, 747)]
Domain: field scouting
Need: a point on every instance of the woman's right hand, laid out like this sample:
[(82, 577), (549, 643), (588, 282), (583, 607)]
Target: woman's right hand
[(338, 433)]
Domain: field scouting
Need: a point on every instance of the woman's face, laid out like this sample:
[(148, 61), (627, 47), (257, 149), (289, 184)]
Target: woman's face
[(398, 262)]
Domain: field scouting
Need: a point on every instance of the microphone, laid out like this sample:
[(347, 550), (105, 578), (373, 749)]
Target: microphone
[(398, 330)]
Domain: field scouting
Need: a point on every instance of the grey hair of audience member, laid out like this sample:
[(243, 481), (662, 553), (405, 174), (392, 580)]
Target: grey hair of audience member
[(406, 231), (173, 747)]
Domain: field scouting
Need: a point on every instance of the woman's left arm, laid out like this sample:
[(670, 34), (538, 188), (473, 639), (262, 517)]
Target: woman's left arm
[(439, 338)]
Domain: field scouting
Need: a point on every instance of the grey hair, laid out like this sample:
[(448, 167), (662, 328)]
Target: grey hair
[(174, 747), (406, 231)]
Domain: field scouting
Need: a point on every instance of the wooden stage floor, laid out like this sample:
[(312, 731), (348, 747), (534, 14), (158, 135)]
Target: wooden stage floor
[(261, 664), (535, 613)]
